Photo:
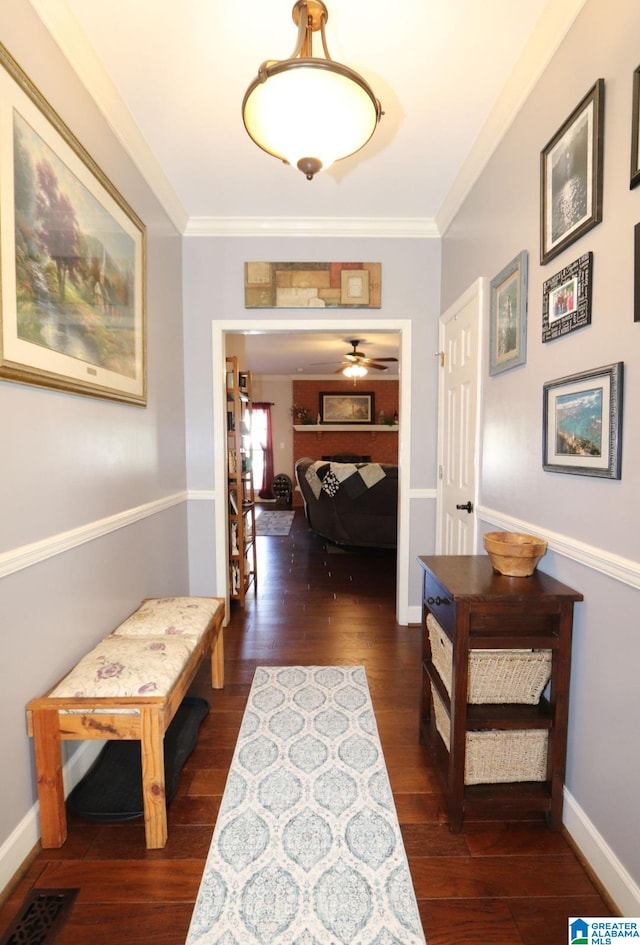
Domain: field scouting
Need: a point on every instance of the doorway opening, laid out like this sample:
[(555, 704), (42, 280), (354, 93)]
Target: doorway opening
[(357, 327)]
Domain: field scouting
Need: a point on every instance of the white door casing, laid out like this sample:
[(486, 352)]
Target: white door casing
[(459, 401), (354, 327)]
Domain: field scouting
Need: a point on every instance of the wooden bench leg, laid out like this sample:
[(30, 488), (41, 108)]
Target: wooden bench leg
[(217, 659), (46, 744), (153, 783)]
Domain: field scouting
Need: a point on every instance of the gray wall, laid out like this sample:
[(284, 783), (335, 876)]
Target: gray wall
[(593, 523), (214, 289), (70, 463)]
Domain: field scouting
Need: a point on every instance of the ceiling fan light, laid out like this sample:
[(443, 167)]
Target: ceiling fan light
[(355, 370), (309, 112)]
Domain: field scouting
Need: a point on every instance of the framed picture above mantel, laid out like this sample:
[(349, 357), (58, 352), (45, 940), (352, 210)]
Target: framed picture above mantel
[(347, 408)]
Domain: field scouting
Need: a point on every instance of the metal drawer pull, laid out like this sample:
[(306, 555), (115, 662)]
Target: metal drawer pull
[(438, 600)]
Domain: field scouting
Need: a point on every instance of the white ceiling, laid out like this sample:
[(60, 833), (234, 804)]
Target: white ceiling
[(170, 76), (317, 352)]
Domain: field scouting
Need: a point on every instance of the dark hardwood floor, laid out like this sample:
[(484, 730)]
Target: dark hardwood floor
[(496, 883)]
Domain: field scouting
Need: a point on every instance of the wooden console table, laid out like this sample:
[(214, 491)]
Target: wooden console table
[(479, 609)]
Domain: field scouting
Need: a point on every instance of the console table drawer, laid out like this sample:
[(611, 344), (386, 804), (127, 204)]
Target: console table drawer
[(438, 600)]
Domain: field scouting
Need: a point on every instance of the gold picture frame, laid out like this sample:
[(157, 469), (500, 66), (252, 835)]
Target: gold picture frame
[(72, 257), (336, 407)]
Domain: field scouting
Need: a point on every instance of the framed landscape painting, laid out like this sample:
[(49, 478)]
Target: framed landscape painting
[(347, 408), (571, 176), (582, 423), (72, 257)]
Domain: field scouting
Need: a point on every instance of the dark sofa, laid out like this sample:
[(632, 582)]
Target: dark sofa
[(350, 503)]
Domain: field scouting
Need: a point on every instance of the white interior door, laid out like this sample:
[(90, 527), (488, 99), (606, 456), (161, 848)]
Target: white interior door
[(458, 423)]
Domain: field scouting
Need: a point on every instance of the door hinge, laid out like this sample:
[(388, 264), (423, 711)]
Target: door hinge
[(440, 354)]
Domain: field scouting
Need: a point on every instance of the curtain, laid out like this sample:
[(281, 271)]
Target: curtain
[(261, 417)]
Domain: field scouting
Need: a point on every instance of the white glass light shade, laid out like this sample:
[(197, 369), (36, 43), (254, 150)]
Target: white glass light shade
[(355, 370), (310, 108)]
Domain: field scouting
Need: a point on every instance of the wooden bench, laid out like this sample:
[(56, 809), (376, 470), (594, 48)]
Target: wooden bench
[(128, 687)]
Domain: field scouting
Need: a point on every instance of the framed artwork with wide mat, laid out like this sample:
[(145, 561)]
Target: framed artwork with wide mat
[(72, 257), (571, 176), (582, 423)]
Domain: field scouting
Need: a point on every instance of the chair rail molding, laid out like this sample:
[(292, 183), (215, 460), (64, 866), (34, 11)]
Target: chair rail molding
[(608, 563), (24, 556)]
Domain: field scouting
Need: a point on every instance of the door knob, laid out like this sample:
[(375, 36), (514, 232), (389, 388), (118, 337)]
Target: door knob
[(468, 507)]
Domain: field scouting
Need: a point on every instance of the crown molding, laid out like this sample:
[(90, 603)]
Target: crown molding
[(67, 33), (550, 30), (335, 227), (553, 25)]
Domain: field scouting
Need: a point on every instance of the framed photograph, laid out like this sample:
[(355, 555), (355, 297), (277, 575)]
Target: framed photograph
[(571, 176), (566, 299), (636, 273), (508, 316), (582, 423), (72, 257), (347, 408), (635, 131)]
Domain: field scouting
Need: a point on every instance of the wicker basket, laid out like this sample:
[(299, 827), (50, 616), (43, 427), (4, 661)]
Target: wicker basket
[(496, 756), (495, 676)]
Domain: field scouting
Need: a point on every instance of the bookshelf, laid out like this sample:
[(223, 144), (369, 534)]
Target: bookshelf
[(243, 572)]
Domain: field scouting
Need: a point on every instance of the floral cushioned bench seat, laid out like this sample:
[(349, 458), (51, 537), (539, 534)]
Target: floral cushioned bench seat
[(128, 687), (145, 654)]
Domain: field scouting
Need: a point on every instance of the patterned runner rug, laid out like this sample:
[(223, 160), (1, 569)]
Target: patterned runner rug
[(274, 523), (307, 847)]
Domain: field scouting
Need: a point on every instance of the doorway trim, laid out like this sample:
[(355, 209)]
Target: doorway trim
[(476, 294), (354, 326)]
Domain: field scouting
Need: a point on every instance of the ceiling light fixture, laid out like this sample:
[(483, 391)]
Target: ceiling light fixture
[(306, 111), (355, 370)]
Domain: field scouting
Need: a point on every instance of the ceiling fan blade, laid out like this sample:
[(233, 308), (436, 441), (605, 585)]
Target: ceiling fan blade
[(376, 360)]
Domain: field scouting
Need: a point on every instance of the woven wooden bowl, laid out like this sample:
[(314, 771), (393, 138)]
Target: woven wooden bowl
[(514, 553)]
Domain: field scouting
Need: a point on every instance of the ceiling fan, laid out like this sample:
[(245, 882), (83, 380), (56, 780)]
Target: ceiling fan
[(356, 357)]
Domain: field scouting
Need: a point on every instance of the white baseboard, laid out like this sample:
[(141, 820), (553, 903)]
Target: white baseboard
[(620, 886), (414, 614), (21, 842)]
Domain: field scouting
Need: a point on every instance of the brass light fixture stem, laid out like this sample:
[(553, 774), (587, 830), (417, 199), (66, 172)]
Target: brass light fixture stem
[(342, 106)]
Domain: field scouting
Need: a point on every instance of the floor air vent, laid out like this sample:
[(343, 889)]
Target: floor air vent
[(41, 917)]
